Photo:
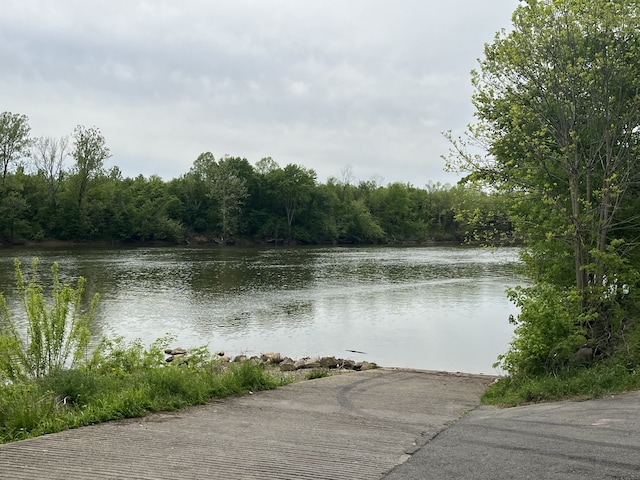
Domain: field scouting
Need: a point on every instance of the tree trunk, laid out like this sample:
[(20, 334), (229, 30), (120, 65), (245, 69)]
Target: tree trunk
[(578, 244)]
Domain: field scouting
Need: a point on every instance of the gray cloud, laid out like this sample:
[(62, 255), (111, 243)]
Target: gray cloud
[(365, 83)]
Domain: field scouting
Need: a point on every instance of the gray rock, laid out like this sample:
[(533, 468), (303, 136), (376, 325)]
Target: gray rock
[(364, 366), (308, 363), (271, 357), (287, 365), (175, 351), (179, 359), (583, 356), (328, 362), (347, 364)]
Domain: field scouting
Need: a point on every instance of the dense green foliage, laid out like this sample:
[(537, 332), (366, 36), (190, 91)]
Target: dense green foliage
[(221, 201), (558, 107)]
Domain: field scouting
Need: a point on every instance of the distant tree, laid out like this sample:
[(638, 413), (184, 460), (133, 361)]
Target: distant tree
[(114, 197), (266, 165), (225, 186), (230, 191), (13, 207), (149, 209), (89, 152), (292, 186), (346, 175), (358, 224), (14, 139), (438, 210), (392, 206), (203, 165), (49, 155), (191, 191)]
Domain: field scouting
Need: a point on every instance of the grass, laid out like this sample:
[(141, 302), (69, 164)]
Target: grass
[(76, 397), (317, 373), (577, 383)]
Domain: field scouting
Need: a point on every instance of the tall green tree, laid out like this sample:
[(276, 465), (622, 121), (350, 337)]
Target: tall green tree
[(89, 152), (558, 107), (14, 139), (229, 189), (292, 186), (226, 187), (264, 217)]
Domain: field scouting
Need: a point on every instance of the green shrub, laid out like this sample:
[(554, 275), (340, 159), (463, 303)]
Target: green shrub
[(317, 373), (548, 331), (57, 333), (119, 357), (241, 378)]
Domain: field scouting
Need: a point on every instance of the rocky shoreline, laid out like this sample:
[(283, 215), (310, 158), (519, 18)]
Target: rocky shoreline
[(180, 356)]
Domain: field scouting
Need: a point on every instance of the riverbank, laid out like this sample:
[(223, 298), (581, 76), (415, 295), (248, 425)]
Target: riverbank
[(128, 383), (123, 381)]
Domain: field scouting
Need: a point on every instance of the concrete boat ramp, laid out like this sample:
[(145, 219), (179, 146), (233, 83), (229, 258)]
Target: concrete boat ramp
[(384, 423)]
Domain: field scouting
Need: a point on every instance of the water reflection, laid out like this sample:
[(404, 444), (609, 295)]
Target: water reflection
[(435, 307)]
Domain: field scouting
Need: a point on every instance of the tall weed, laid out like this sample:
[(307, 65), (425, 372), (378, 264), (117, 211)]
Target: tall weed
[(57, 333)]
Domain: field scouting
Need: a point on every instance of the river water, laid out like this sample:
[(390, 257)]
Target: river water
[(436, 307)]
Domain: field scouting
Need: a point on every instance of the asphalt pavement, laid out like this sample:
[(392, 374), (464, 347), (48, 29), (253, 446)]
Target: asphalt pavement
[(590, 440), (385, 423)]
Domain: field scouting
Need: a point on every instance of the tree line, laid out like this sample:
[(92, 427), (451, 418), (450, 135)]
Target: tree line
[(59, 188)]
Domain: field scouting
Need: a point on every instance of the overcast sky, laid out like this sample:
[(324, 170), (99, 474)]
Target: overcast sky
[(325, 84)]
